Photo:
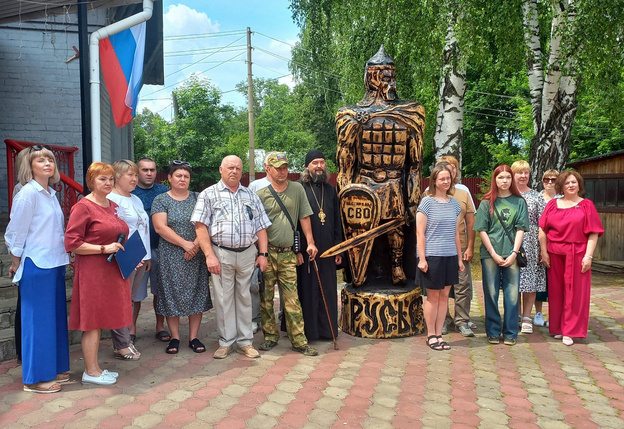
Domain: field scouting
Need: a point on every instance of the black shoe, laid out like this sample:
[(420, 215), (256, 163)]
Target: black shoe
[(493, 340), (267, 345), (306, 350)]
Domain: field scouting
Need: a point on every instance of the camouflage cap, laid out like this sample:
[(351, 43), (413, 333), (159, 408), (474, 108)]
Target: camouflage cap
[(277, 159)]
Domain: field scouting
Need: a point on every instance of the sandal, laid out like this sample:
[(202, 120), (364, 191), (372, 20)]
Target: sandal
[(567, 340), (527, 325), (62, 377), (443, 344), (173, 347), (133, 354), (433, 346), (163, 336), (197, 346), (40, 388)]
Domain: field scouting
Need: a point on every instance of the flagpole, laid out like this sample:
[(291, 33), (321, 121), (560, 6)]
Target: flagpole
[(94, 70)]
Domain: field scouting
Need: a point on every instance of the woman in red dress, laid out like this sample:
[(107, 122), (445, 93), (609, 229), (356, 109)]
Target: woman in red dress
[(569, 230), (101, 297)]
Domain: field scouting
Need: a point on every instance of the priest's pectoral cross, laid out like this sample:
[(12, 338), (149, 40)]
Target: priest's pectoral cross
[(322, 217)]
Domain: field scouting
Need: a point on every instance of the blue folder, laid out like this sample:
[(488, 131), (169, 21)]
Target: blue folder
[(129, 258)]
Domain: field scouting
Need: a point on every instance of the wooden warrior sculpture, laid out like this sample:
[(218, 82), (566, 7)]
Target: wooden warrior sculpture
[(380, 144)]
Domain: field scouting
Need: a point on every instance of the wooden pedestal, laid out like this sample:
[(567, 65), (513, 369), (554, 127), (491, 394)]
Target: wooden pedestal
[(391, 313)]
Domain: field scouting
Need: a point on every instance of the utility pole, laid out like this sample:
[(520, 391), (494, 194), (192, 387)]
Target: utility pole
[(176, 108), (252, 154)]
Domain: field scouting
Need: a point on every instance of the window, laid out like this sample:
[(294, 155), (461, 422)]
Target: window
[(606, 192)]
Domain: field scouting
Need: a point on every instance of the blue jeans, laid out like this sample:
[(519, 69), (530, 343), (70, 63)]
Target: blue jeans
[(493, 277)]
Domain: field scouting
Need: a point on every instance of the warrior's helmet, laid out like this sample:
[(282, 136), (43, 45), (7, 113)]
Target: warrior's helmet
[(379, 78)]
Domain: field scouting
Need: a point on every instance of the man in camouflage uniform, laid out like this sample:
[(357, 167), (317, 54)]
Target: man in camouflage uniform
[(282, 263)]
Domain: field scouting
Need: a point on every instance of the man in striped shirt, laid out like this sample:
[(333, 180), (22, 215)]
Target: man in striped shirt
[(229, 219)]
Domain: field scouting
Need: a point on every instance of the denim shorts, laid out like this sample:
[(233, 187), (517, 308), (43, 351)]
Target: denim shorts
[(443, 271)]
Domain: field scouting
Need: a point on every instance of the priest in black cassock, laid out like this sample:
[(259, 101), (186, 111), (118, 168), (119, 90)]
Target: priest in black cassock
[(327, 232)]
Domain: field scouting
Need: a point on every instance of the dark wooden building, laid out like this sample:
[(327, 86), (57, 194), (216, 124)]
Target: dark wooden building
[(604, 185)]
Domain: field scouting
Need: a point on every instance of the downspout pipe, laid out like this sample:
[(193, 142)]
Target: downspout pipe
[(94, 70)]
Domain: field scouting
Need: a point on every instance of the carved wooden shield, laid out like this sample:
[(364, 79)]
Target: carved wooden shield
[(360, 211)]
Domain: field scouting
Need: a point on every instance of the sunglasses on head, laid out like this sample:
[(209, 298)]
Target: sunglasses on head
[(39, 147), (549, 180), (178, 162)]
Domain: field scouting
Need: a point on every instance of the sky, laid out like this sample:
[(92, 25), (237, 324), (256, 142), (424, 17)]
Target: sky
[(208, 38)]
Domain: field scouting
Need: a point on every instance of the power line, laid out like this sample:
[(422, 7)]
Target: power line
[(497, 95), (205, 50), (493, 110), (196, 62), (166, 107), (207, 56), (487, 114), (203, 62), (223, 62), (285, 43), (304, 66), (273, 38), (205, 35), (271, 70), (184, 80)]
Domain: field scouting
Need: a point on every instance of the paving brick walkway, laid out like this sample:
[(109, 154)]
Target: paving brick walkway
[(366, 383)]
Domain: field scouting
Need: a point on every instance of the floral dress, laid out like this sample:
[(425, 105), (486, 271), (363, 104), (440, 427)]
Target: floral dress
[(533, 276), (184, 284)]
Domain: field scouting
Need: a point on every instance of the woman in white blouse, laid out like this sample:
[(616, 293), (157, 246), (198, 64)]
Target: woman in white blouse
[(131, 211), (34, 238)]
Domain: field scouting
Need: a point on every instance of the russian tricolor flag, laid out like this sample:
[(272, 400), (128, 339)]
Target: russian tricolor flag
[(121, 56)]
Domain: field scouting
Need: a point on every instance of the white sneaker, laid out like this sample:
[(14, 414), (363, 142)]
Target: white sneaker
[(113, 374), (103, 379), (539, 319), (254, 326)]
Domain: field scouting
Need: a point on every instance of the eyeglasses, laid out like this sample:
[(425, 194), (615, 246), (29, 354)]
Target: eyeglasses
[(39, 147), (178, 162), (549, 180)]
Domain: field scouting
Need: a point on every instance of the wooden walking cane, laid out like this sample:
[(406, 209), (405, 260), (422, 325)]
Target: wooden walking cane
[(318, 276)]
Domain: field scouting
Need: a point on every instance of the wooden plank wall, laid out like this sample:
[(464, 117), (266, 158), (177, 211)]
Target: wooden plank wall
[(611, 245), (607, 166)]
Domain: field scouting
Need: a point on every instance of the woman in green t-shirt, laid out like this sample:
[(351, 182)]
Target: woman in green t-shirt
[(498, 253)]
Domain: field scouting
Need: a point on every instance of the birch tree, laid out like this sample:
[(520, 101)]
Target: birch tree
[(553, 90), (448, 137)]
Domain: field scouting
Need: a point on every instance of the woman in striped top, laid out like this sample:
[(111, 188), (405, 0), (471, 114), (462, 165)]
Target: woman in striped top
[(437, 251)]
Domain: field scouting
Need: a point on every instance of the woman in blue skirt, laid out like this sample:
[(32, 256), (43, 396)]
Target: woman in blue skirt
[(34, 238)]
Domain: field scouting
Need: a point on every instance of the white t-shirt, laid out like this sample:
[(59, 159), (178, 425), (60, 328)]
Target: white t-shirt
[(131, 211), (256, 185)]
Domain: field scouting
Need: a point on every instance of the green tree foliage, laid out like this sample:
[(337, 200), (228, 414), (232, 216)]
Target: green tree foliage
[(280, 122), (493, 53), (338, 37), (352, 32), (204, 130), (599, 124), (198, 134), (149, 129)]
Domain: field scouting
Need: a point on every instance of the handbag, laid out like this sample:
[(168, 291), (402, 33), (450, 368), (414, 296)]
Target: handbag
[(296, 247), (257, 281), (521, 257)]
